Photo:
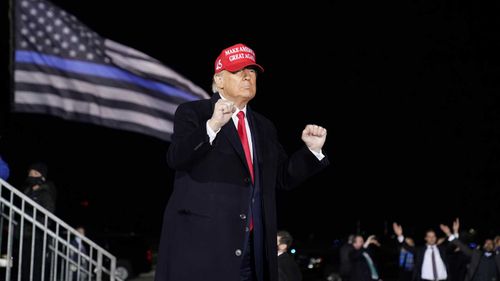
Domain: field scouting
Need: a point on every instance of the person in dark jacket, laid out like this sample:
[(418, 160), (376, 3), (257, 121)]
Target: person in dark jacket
[(288, 270), (42, 192), (38, 189), (220, 221), (484, 263), (363, 265), (431, 259), (345, 263), (406, 261)]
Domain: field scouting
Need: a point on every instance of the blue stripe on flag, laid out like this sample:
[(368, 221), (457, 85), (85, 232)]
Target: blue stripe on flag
[(101, 71)]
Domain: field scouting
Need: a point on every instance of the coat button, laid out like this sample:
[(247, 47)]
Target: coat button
[(237, 252), (243, 216)]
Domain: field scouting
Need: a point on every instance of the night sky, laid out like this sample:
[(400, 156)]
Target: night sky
[(409, 93)]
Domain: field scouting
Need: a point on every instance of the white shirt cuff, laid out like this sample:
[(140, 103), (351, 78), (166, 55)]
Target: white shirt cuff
[(211, 134), (452, 237), (401, 238), (318, 155)]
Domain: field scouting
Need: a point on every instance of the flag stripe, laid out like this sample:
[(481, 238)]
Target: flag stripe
[(145, 69), (73, 95), (99, 70), (84, 117), (93, 109), (98, 81), (126, 50), (92, 90), (153, 69)]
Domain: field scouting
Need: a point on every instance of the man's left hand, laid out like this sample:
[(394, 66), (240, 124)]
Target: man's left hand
[(314, 137)]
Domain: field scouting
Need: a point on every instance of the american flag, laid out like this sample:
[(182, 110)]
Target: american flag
[(63, 68)]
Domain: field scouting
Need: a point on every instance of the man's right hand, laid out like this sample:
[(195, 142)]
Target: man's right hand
[(223, 111), (456, 226), (445, 229), (398, 229)]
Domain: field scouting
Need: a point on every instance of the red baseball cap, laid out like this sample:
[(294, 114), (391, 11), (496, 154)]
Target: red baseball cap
[(235, 58)]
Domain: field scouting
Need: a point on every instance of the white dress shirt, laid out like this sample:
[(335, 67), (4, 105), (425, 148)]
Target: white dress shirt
[(427, 264), (212, 134)]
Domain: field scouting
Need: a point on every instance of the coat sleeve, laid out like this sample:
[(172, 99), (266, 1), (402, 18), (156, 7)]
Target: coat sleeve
[(301, 165), (190, 141), (407, 247), (47, 201), (466, 250)]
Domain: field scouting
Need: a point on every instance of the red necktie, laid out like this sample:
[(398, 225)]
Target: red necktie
[(242, 132)]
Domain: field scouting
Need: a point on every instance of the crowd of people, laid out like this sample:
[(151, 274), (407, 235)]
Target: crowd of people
[(438, 259)]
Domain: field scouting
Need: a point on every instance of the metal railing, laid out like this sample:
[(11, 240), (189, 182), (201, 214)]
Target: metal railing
[(35, 245)]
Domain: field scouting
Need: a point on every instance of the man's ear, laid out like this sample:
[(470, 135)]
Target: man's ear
[(219, 80)]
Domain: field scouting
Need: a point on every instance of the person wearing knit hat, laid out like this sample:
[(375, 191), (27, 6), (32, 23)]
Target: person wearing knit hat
[(43, 192), (38, 188), (39, 168)]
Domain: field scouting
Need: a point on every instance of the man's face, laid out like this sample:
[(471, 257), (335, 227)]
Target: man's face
[(240, 85), (497, 241), (430, 237), (358, 242), (281, 246), (488, 245)]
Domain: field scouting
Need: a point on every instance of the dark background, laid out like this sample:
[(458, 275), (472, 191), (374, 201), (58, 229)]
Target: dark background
[(408, 91)]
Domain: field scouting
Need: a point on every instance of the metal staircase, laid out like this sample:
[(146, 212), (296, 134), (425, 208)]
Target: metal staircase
[(35, 245)]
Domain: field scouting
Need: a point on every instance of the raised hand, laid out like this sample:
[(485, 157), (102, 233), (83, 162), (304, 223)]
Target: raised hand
[(223, 110), (314, 137), (372, 240), (375, 242), (398, 229), (445, 229), (456, 225)]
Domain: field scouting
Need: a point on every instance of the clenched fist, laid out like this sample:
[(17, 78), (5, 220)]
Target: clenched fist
[(223, 111), (314, 137)]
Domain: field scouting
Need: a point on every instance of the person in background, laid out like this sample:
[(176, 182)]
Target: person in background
[(345, 263), (484, 263), (43, 192), (288, 270), (406, 261), (363, 266), (38, 188), (431, 260), (79, 257), (496, 241)]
